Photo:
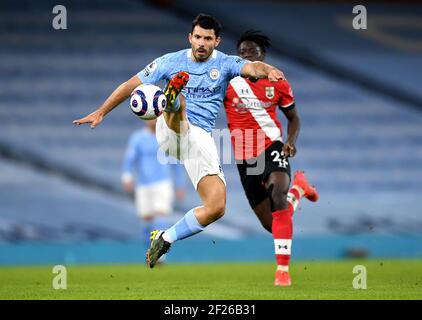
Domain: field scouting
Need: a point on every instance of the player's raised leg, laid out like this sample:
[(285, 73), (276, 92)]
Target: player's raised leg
[(200, 157), (175, 112)]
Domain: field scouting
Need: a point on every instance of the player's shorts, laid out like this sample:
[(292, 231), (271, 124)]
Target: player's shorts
[(195, 149), (154, 198), (253, 175)]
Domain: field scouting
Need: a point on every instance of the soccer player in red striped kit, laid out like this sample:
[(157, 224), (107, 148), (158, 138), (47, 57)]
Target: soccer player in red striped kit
[(261, 156)]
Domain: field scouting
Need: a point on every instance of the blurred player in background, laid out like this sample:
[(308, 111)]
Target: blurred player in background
[(251, 108), (152, 183), (184, 130)]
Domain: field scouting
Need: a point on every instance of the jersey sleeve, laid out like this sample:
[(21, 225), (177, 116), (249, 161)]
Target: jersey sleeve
[(234, 65), (155, 71), (287, 100)]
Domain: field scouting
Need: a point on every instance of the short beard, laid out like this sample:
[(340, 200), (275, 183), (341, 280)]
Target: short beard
[(202, 59)]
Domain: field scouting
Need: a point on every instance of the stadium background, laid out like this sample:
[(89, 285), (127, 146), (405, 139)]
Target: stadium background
[(358, 93)]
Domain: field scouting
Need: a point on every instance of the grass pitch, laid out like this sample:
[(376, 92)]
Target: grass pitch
[(386, 279)]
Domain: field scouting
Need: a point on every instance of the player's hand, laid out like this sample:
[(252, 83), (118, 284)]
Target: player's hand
[(275, 75), (93, 118), (289, 150)]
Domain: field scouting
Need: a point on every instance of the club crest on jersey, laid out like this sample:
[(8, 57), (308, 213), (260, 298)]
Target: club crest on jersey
[(214, 74), (269, 92)]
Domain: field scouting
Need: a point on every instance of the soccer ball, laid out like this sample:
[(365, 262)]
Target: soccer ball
[(147, 101)]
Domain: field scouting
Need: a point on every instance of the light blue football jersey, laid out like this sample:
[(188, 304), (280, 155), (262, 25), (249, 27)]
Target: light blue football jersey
[(207, 84)]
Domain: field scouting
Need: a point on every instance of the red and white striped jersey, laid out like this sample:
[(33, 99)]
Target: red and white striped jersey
[(251, 108)]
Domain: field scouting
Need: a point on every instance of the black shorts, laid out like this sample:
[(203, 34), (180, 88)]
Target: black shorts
[(253, 175)]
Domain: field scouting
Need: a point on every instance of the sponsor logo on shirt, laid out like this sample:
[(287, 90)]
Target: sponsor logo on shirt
[(243, 107), (201, 92)]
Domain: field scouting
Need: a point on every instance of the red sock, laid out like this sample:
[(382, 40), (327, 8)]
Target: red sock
[(282, 229), (293, 198)]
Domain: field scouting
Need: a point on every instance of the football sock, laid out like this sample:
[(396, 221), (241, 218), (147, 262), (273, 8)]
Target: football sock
[(282, 228), (293, 197), (283, 268), (184, 228)]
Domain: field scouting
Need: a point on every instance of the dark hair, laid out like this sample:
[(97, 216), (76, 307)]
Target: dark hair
[(207, 22), (254, 35)]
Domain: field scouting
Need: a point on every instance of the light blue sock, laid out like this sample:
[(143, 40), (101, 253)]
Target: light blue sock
[(175, 107), (184, 228)]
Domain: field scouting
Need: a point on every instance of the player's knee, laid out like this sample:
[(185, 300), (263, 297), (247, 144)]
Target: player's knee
[(278, 200), (217, 209)]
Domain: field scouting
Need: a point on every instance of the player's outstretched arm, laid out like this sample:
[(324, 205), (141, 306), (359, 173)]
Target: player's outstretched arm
[(119, 95), (260, 69)]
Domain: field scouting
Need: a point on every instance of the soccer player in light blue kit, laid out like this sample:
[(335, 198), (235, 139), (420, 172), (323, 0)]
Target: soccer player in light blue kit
[(151, 182), (201, 74)]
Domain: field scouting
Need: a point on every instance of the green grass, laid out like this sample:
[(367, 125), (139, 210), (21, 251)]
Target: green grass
[(390, 279)]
